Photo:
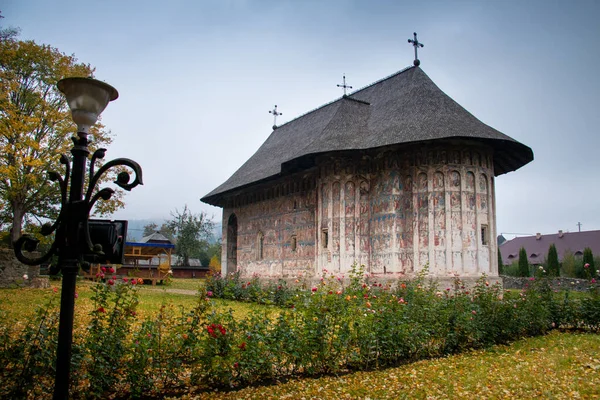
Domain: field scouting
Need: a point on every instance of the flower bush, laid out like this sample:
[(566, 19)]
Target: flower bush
[(333, 326)]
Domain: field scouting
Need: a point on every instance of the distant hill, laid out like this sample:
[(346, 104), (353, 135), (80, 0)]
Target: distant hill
[(135, 229)]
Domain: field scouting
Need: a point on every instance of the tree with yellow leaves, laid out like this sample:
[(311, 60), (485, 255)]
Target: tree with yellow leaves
[(215, 265), (35, 128)]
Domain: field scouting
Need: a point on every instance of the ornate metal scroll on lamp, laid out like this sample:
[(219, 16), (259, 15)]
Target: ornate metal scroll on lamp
[(73, 244)]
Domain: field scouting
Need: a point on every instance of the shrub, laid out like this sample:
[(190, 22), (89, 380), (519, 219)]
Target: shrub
[(523, 263), (322, 329), (552, 265)]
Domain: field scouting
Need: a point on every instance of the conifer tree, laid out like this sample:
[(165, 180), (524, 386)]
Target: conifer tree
[(553, 266), (500, 264), (523, 263), (588, 258)]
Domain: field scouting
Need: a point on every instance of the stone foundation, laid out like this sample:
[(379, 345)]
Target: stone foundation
[(578, 285), (12, 272)]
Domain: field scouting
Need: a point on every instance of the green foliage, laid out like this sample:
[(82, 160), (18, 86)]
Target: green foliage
[(327, 327), (191, 232), (552, 265), (588, 263), (523, 263), (571, 265), (500, 263)]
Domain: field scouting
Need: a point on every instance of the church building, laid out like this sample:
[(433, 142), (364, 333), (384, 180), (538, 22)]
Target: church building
[(394, 176)]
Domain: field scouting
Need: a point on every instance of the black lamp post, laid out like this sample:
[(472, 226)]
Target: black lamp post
[(87, 98)]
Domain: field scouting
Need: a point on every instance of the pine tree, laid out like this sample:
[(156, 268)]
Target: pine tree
[(523, 263), (500, 264), (588, 258), (552, 261), (588, 263)]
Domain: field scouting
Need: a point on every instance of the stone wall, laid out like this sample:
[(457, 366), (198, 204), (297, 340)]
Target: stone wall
[(12, 272), (578, 285)]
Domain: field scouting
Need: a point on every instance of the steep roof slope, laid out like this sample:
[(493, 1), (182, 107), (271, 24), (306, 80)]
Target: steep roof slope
[(406, 107)]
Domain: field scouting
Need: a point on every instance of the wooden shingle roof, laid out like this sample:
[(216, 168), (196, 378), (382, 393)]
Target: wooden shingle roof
[(406, 107)]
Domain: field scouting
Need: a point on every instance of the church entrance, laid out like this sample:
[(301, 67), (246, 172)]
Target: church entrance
[(232, 234)]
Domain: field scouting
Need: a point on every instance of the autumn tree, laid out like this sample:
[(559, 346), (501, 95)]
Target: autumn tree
[(553, 266), (215, 265), (523, 263), (35, 128), (192, 232)]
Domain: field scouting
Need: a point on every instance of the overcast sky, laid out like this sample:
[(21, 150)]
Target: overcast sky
[(197, 78)]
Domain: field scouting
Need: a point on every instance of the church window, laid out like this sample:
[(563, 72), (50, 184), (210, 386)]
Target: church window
[(485, 235), (260, 246), (293, 243), (295, 204), (325, 238)]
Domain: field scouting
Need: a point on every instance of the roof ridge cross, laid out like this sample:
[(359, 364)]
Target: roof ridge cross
[(416, 45), (344, 85)]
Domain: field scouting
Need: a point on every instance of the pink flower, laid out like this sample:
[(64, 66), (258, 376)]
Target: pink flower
[(133, 282), (586, 265), (314, 289), (593, 280), (103, 269), (474, 312), (209, 293), (76, 295)]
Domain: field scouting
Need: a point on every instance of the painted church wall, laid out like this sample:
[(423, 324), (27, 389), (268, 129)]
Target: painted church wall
[(275, 235), (393, 213), (432, 210)]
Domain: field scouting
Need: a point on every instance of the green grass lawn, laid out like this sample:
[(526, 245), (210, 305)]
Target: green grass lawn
[(556, 366), (20, 304)]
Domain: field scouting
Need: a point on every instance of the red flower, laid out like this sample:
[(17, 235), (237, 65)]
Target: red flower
[(221, 329), (236, 365), (111, 270), (211, 331), (133, 282), (111, 282), (125, 280), (314, 289), (101, 310), (242, 346), (103, 269)]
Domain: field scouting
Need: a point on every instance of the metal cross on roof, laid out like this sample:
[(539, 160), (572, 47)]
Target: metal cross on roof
[(275, 115), (416, 44), (344, 85)]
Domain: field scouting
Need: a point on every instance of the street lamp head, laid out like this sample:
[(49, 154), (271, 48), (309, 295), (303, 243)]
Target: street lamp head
[(87, 98)]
